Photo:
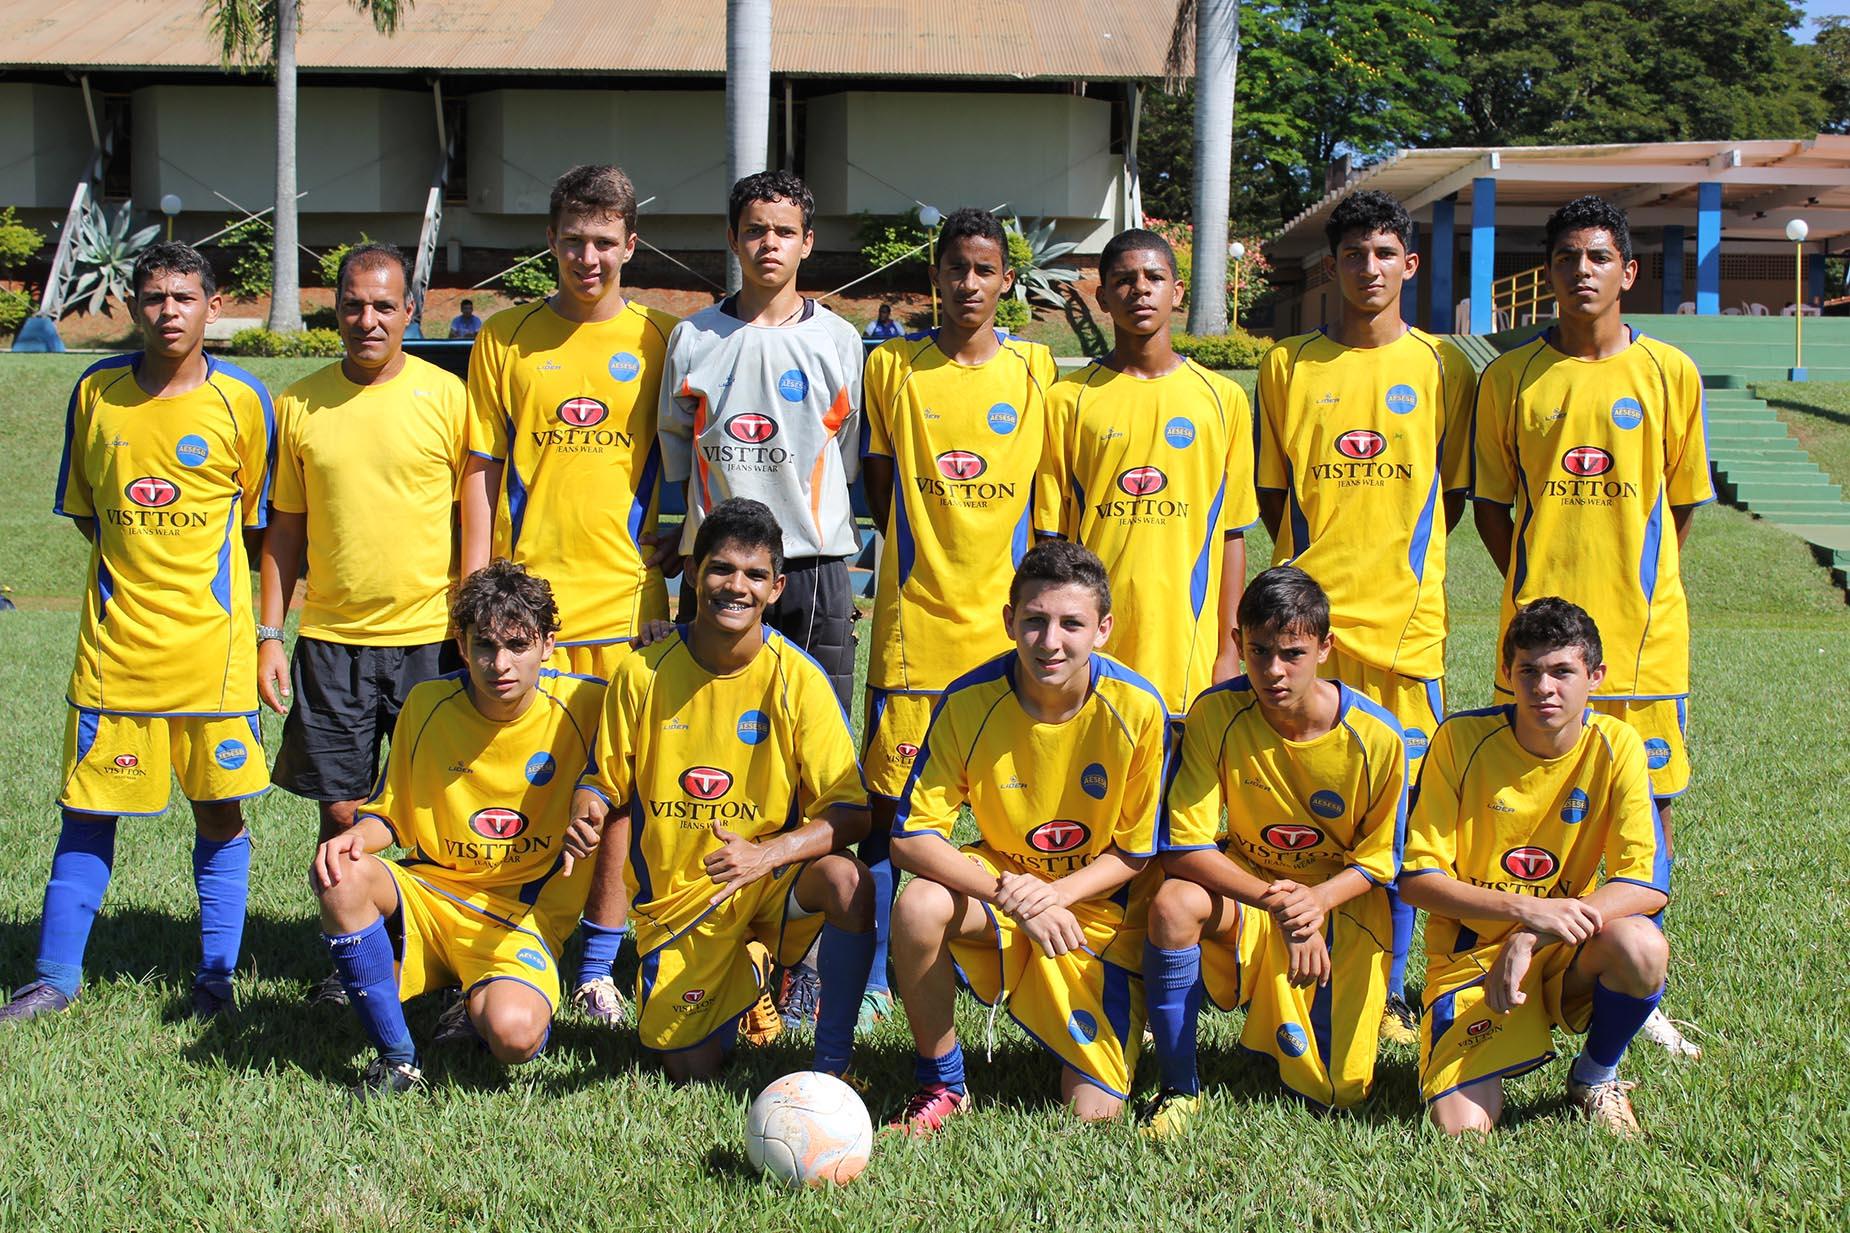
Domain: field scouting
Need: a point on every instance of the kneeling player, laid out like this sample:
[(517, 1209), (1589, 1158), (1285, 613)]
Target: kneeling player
[(1291, 905), (1518, 807), (478, 791), (729, 750), (1059, 753)]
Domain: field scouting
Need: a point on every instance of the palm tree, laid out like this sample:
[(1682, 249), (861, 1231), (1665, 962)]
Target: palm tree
[(1213, 28), (748, 98), (254, 33)]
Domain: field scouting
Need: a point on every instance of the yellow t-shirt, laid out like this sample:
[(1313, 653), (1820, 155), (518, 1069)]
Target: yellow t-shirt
[(1152, 476), (1592, 455), (172, 483), (965, 442), (375, 469), (1365, 443), (1492, 814), (570, 410), (759, 751), (1304, 810)]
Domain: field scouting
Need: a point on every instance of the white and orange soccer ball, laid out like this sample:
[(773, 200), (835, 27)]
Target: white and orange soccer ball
[(808, 1129)]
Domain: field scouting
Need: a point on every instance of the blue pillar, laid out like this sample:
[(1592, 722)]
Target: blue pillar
[(1814, 276), (1439, 301), (1673, 268), (1708, 250), (1410, 292), (1483, 252)]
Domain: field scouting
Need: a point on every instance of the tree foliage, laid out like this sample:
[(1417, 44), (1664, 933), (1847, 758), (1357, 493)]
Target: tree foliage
[(1833, 52)]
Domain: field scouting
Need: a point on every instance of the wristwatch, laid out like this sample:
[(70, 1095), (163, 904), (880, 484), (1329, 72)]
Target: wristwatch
[(268, 633)]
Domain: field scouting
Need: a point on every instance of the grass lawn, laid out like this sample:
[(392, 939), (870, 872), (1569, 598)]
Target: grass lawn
[(126, 1115), (1818, 413)]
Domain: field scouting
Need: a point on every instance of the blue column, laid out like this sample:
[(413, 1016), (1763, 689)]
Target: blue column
[(1673, 267), (1410, 292), (1814, 276), (1708, 250), (1483, 252), (1439, 301)]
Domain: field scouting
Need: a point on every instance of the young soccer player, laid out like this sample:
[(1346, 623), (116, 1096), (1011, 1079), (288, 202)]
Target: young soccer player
[(1289, 915), (1059, 753), (726, 748), (478, 792), (166, 465), (955, 421), (1519, 806), (1148, 463), (1591, 441), (565, 475), (1364, 431)]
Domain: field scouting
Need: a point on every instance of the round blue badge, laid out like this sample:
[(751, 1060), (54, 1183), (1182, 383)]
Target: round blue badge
[(1002, 419), (1657, 753), (754, 727), (231, 754), (1575, 810), (1082, 1027), (1179, 432), (1093, 781), (1326, 804), (1627, 414), (1402, 399), (532, 958), (1292, 1041), (192, 450), (624, 366), (793, 385), (1416, 743), (540, 769)]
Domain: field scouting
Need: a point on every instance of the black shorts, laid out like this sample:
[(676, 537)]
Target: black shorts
[(816, 611), (346, 700)]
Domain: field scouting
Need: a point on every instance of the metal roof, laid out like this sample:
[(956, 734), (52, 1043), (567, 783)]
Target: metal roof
[(1057, 40)]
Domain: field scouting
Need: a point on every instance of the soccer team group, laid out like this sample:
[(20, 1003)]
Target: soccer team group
[(1183, 785)]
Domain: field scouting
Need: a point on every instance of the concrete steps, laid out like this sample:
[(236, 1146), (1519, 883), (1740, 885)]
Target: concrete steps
[(1761, 468)]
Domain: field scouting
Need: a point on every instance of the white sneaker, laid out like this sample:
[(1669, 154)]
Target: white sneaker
[(1666, 1033), (601, 1001)]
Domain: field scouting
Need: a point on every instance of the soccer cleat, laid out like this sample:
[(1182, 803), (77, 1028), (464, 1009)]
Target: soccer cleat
[(929, 1109), (1606, 1105), (761, 1025), (876, 1007), (1169, 1114), (211, 997), (454, 1027), (31, 1001), (1400, 1025), (382, 1078), (801, 997), (1663, 1031), (328, 991), (601, 1002)]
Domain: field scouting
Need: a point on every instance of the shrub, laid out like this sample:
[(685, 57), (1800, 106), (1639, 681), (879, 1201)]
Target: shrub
[(532, 281), (885, 238), (261, 342), (1236, 350), (249, 243), (18, 242), (15, 307), (324, 343), (1013, 315), (328, 263), (1254, 284)]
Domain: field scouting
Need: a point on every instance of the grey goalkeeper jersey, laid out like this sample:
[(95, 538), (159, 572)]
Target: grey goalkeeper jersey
[(767, 412)]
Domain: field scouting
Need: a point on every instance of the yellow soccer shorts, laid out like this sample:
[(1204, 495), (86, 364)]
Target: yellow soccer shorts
[(701, 979), (1085, 1009), (1323, 1037), (596, 659), (1661, 722), (1463, 1042), (896, 724), (1417, 703), (124, 765), (451, 939)]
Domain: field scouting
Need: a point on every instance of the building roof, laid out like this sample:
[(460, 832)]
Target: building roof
[(1764, 184), (1059, 40)]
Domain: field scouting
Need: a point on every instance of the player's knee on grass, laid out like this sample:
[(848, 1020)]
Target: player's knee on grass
[(355, 901), (218, 821), (1178, 912), (1472, 1110), (512, 1025), (841, 888), (695, 1065), (1631, 956), (1088, 1101), (922, 917)]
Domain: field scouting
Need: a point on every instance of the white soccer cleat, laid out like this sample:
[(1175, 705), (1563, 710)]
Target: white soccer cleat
[(1665, 1033)]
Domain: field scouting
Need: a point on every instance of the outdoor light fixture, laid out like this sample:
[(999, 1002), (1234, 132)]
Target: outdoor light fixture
[(170, 206), (931, 216), (1796, 231), (1236, 251)]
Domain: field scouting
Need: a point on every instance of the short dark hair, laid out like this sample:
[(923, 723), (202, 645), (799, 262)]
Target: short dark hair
[(468, 304), (1583, 213), (1286, 599), (970, 224), (1133, 240), (503, 599), (1550, 624), (741, 521), (368, 255), (1060, 562), (597, 189), (771, 186), (1371, 213), (172, 257)]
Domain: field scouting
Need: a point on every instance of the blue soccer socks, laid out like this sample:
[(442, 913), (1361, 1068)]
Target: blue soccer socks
[(842, 961), (364, 961), (599, 959), (1616, 1018), (876, 854), (946, 1072), (80, 868), (222, 875), (1172, 988), (1402, 914)]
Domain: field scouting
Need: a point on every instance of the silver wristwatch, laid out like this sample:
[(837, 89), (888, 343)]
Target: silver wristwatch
[(268, 633)]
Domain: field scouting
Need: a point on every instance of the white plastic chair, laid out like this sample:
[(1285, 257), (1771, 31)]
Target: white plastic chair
[(1687, 308), (1731, 312), (1758, 310)]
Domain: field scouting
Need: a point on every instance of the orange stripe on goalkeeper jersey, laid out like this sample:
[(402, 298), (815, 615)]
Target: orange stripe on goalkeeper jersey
[(837, 413), (702, 490)]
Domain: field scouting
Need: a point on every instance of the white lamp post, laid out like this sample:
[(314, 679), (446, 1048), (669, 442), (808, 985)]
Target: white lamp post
[(1796, 231), (931, 216), (1237, 252), (170, 206)]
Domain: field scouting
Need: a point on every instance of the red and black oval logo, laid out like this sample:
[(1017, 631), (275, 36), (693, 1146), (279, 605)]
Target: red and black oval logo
[(751, 428), (906, 750), (1143, 481), (693, 997), (1059, 835), (961, 465), (705, 783), (127, 762), (152, 491), (498, 823), (1291, 836), (1479, 1028), (582, 412), (1361, 443), (1530, 864), (1586, 460)]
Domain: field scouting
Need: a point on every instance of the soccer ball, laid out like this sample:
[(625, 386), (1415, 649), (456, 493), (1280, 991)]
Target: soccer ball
[(807, 1129)]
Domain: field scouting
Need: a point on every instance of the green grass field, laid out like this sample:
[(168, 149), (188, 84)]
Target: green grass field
[(1818, 413), (123, 1114)]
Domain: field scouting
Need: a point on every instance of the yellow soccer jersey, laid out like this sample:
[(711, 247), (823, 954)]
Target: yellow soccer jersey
[(1304, 810), (681, 749), (481, 806), (965, 442), (1047, 798), (1365, 443), (172, 483), (1592, 455), (1494, 815), (375, 469), (1152, 476), (570, 410)]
